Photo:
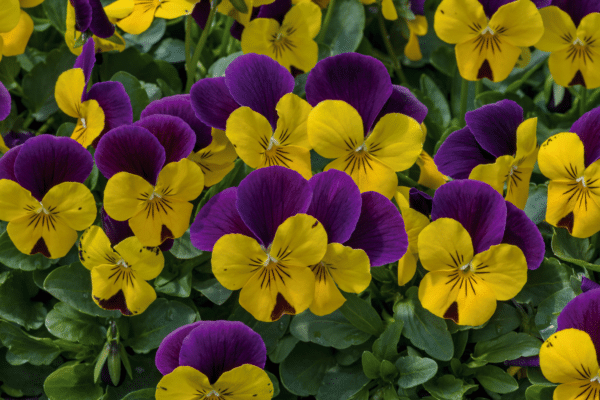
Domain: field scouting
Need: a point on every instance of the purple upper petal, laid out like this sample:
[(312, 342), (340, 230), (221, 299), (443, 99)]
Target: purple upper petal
[(495, 126), (131, 149), (180, 106), (258, 82), (7, 164), (13, 139), (276, 10), (477, 206), (404, 102), (587, 284), (173, 133), (236, 30), (100, 25), (212, 102), (115, 103), (215, 347), (460, 153), (200, 12), (586, 128), (577, 9), (86, 60), (45, 161), (420, 201), (379, 231), (217, 218), (417, 7), (522, 232), (83, 14), (359, 80), (491, 6), (269, 196), (336, 203), (4, 102), (167, 355), (116, 231), (583, 313)]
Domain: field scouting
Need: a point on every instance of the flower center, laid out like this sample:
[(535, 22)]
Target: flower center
[(83, 123), (153, 195), (213, 395), (273, 142), (122, 263), (488, 30), (596, 378), (581, 180), (578, 42), (270, 259), (362, 147), (512, 170), (468, 267), (42, 209)]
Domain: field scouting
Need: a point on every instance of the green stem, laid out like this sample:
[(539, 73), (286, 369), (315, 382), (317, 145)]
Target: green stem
[(390, 48), (326, 21), (188, 42), (582, 101), (45, 126), (191, 72), (478, 87), (464, 95), (225, 37)]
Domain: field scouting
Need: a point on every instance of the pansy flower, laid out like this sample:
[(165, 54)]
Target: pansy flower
[(120, 266), (213, 152), (496, 147), (429, 176), (104, 107), (263, 119), (263, 242), (150, 180), (570, 356), (570, 161), (477, 250), (489, 34), (370, 127), (572, 34), (16, 26), (144, 12), (42, 195), (213, 360)]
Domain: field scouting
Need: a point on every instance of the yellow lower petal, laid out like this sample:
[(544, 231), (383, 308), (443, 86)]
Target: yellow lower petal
[(389, 10), (520, 22), (235, 258), (124, 195), (90, 123), (138, 293), (140, 18), (15, 201), (180, 181), (160, 220), (146, 262), (517, 186), (407, 266), (216, 159), (576, 390), (68, 90), (563, 66), (258, 35), (291, 125), (250, 133), (328, 297), (429, 175), (558, 25), (444, 245), (503, 268), (455, 19), (119, 9), (396, 141), (10, 14), (244, 382), (72, 203), (561, 157), (170, 9), (182, 383), (494, 174), (350, 268), (16, 40), (299, 242), (293, 157), (95, 248), (486, 56), (107, 281)]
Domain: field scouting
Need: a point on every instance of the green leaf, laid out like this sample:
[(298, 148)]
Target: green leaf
[(505, 319), (218, 68), (303, 370), (9, 69), (136, 92), (16, 290), (66, 129), (145, 378), (440, 113), (572, 249), (65, 322), (422, 328), (341, 382), (212, 289), (388, 371), (72, 382), (352, 354), (13, 258), (386, 347), (145, 40), (240, 5), (176, 278), (506, 347), (73, 285), (361, 314), (536, 377), (535, 208), (56, 11), (170, 50), (37, 351), (332, 330), (549, 309), (345, 30), (183, 247), (536, 392), (27, 378), (415, 371), (282, 349), (144, 394), (371, 365), (548, 279), (444, 60), (496, 379), (448, 387), (275, 383), (162, 317)]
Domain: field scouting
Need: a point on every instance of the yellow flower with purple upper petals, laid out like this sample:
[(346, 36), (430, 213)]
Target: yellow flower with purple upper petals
[(16, 26), (144, 12)]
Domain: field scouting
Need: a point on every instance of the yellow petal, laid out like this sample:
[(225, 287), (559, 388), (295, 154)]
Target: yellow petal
[(68, 90), (576, 390), (226, 8), (563, 66), (119, 9), (414, 223), (444, 245), (15, 201), (561, 157), (124, 195), (170, 9), (389, 10), (140, 18), (34, 234), (90, 124), (250, 133), (235, 258), (30, 3), (138, 293), (305, 13), (291, 124), (328, 297), (429, 176), (494, 174), (72, 203), (305, 51), (160, 220), (396, 141), (107, 281), (257, 36), (407, 266), (503, 268), (9, 15), (95, 248), (334, 128), (486, 56), (402, 197), (146, 262), (293, 157), (458, 21), (519, 22), (517, 185), (183, 383), (215, 160), (15, 41), (558, 26), (299, 242), (589, 31), (180, 181), (350, 268), (246, 382)]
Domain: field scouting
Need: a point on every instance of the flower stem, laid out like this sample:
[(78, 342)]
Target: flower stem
[(390, 49), (191, 72), (464, 96), (326, 21), (582, 100), (188, 42), (225, 38), (478, 87)]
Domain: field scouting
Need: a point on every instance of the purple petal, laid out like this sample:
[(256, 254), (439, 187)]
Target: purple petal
[(236, 30), (269, 196), (200, 12), (491, 6), (587, 284), (417, 7), (379, 231), (218, 217), (7, 164), (586, 128), (166, 245), (359, 80), (258, 82), (495, 126), (180, 106), (577, 9), (13, 139), (420, 201), (212, 102), (45, 161), (404, 102), (86, 60), (167, 355), (276, 10), (583, 313), (115, 103), (116, 231), (531, 361), (131, 149), (336, 203), (4, 102), (100, 25), (215, 347), (173, 133), (83, 14), (477, 206), (460, 153), (522, 232)]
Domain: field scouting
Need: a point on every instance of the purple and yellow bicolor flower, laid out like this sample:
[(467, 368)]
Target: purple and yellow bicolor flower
[(150, 180), (477, 250), (120, 266), (263, 119), (16, 26), (144, 12), (489, 34), (42, 195), (213, 360), (570, 161), (369, 126), (496, 147), (213, 152), (105, 106), (572, 34), (570, 356)]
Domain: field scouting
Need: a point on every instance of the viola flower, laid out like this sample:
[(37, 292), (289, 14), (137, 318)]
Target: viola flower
[(417, 26), (16, 26), (477, 250), (104, 107), (496, 147), (370, 127), (213, 152), (150, 181), (263, 119), (570, 161), (263, 242), (144, 12), (489, 34), (120, 267), (429, 175), (213, 359), (570, 356), (42, 195)]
